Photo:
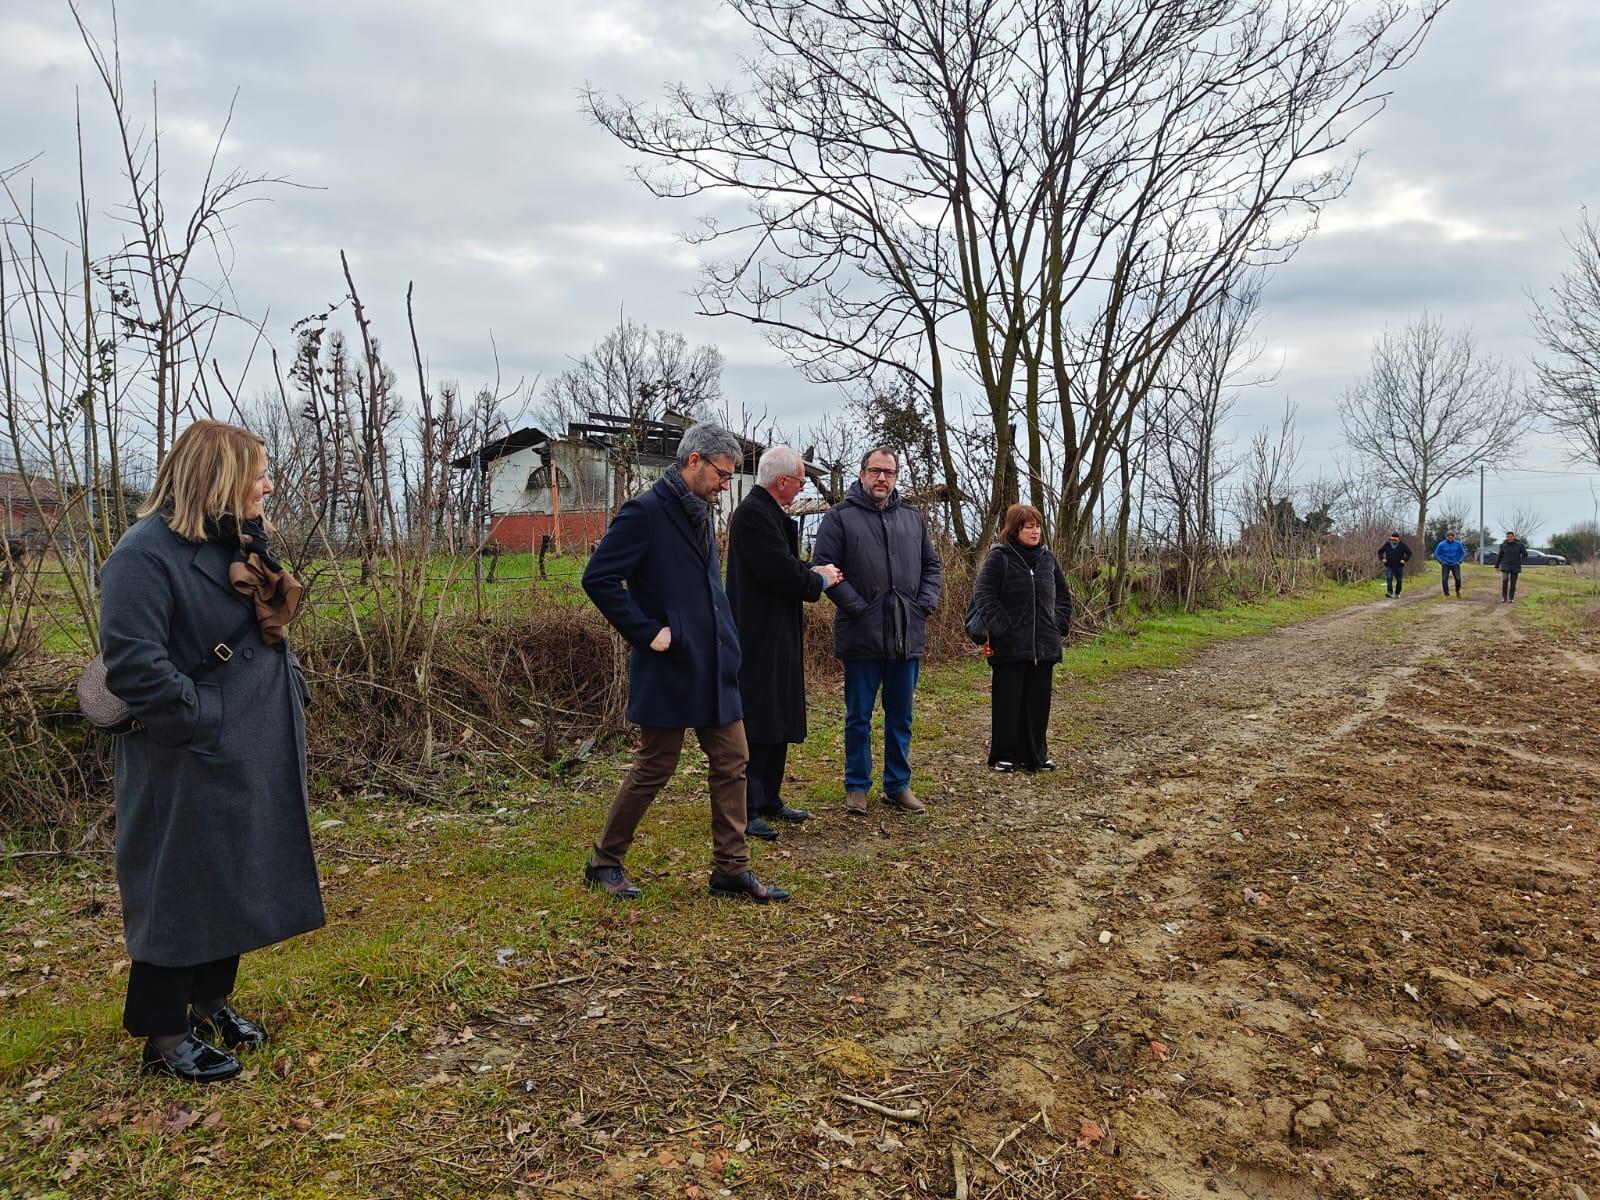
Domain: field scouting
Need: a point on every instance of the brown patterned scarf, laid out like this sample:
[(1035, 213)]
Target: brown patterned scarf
[(255, 574)]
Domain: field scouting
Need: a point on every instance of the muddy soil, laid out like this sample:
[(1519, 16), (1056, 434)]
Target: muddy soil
[(1310, 917), (1317, 918)]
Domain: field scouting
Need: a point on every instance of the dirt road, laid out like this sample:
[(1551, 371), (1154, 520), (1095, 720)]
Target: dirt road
[(1317, 918)]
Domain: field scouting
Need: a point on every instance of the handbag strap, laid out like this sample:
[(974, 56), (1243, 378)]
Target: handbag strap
[(223, 651)]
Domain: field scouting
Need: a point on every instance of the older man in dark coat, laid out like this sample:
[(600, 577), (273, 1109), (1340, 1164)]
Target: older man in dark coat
[(655, 576), (890, 589), (767, 584)]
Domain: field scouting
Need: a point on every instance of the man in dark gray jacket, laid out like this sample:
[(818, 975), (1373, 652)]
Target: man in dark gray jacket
[(890, 589), (1509, 563)]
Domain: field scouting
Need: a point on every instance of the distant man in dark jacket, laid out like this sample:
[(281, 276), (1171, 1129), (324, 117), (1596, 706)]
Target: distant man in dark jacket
[(656, 578), (1394, 555), (767, 586), (1449, 554), (890, 589), (1509, 563)]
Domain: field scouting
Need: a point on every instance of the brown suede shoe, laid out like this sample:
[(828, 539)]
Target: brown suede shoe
[(855, 803), (904, 801)]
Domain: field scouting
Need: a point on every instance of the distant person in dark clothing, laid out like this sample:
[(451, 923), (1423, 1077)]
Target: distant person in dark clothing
[(768, 586), (890, 589), (1394, 554), (1449, 554), (1022, 597), (1509, 563)]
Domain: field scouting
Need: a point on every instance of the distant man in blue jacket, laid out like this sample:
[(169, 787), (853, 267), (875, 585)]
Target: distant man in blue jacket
[(656, 577), (1449, 555), (1394, 555)]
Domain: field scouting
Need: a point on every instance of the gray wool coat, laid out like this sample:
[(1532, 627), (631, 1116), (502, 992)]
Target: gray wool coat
[(213, 839)]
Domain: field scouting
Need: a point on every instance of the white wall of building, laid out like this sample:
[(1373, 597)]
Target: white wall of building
[(582, 469)]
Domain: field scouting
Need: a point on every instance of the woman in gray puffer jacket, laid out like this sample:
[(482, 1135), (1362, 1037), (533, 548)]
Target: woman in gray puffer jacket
[(1026, 607)]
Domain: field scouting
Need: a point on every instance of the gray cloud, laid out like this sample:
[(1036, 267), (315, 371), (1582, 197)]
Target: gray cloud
[(445, 144)]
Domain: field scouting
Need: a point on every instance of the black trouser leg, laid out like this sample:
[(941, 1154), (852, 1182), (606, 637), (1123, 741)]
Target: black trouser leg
[(764, 778), (1511, 584), (159, 997), (1006, 732), (1036, 681)]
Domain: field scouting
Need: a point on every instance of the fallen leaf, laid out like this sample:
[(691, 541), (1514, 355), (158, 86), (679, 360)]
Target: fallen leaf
[(856, 999), (1160, 1050), (183, 1118), (75, 1162), (303, 1124), (1090, 1134)]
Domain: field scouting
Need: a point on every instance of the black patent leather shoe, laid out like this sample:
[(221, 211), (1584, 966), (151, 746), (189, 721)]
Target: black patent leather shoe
[(759, 827), (612, 880), (191, 1059), (793, 815), (227, 1028), (746, 887)]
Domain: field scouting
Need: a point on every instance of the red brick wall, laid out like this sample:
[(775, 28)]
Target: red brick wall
[(520, 532)]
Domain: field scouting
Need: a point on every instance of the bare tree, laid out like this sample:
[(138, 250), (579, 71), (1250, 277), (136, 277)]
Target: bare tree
[(1567, 326), (1032, 195), (1525, 521), (635, 372), (1432, 408), (1183, 419)]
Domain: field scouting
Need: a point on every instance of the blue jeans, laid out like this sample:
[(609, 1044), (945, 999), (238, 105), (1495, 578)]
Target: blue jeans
[(897, 678), (1393, 579)]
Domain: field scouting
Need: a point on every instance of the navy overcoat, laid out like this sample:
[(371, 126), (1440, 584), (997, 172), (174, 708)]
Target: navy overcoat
[(648, 572), (213, 841)]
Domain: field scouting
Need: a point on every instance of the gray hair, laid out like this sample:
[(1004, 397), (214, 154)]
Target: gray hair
[(709, 440), (889, 450), (776, 462)]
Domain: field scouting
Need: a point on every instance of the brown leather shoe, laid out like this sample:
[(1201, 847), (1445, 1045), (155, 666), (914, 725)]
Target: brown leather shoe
[(855, 803), (612, 880), (904, 801)]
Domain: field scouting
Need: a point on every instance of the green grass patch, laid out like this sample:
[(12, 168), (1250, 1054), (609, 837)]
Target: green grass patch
[(1560, 600)]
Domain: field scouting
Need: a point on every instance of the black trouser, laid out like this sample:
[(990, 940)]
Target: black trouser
[(764, 778), (1446, 571), (1508, 585), (159, 997), (1019, 713)]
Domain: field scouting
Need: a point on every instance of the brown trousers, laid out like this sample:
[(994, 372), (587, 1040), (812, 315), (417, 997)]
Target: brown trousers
[(653, 764)]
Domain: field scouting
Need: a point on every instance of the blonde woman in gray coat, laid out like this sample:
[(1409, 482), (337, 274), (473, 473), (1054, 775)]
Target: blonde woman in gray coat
[(214, 850)]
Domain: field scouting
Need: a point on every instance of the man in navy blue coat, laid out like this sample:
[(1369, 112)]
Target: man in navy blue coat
[(656, 577)]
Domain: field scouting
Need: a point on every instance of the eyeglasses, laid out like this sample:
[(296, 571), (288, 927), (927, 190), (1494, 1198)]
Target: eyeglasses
[(882, 472), (724, 476)]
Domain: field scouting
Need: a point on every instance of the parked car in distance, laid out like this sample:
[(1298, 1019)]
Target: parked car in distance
[(1536, 558)]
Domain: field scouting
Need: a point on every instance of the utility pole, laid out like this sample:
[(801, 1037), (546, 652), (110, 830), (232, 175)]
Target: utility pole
[(1483, 530)]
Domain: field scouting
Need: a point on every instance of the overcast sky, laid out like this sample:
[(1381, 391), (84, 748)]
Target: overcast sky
[(444, 143)]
